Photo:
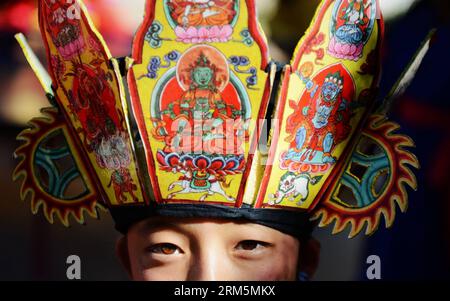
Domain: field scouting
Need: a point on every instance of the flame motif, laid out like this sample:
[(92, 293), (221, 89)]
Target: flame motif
[(395, 194), (40, 128)]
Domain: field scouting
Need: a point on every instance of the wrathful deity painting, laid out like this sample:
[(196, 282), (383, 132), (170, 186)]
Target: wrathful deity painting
[(200, 112), (320, 121)]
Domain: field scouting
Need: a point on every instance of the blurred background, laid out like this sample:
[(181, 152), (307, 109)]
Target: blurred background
[(416, 248)]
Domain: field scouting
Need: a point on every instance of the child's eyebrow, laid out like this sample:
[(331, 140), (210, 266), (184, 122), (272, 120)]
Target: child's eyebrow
[(241, 229), (158, 225)]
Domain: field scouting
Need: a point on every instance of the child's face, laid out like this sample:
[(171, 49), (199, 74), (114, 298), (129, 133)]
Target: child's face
[(205, 249)]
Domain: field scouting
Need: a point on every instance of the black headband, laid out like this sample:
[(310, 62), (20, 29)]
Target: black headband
[(294, 223)]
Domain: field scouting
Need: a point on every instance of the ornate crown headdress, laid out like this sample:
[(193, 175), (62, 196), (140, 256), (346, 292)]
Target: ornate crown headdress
[(167, 151)]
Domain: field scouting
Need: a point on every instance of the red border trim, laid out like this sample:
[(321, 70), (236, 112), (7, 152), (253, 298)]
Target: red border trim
[(276, 135), (257, 35), (311, 34), (139, 116), (254, 145)]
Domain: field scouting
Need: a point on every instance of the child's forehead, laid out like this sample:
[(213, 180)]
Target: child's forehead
[(161, 223)]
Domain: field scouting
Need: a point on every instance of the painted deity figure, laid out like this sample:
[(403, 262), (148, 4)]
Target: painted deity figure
[(355, 12), (202, 121), (64, 28), (351, 29), (123, 184), (320, 124), (202, 12), (91, 99), (201, 118), (200, 21), (93, 103)]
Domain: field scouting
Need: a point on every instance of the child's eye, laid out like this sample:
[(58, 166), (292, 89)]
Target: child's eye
[(165, 249), (251, 245)]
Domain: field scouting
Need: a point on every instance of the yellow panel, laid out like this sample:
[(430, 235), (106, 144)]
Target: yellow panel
[(198, 87), (89, 90), (326, 97)]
